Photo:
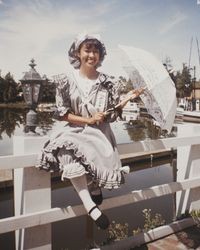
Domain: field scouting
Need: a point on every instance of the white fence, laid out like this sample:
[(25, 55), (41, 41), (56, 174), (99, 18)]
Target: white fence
[(32, 190)]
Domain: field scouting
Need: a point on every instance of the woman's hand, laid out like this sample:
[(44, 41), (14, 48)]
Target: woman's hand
[(96, 118)]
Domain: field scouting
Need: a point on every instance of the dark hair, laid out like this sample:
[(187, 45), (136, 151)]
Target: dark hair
[(90, 43)]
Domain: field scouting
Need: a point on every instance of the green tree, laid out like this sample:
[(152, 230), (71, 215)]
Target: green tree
[(19, 97), (126, 84), (10, 119), (48, 91), (2, 88), (10, 91), (184, 82)]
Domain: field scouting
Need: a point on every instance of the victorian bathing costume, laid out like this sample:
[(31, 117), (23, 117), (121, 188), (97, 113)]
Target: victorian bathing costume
[(76, 150)]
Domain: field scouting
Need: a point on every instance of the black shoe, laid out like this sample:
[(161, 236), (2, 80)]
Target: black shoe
[(97, 198), (102, 222)]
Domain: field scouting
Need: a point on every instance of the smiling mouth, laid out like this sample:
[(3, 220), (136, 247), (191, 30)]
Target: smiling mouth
[(91, 61)]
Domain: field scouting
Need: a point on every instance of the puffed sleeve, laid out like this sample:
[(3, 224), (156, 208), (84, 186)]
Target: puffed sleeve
[(63, 102)]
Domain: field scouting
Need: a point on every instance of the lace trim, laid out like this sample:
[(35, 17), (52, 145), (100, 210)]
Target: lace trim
[(48, 161)]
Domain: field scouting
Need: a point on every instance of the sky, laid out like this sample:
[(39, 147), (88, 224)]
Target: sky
[(45, 29)]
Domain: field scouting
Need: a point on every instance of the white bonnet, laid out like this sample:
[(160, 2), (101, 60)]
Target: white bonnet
[(72, 53)]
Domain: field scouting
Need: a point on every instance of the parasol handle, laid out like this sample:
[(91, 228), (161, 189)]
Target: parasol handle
[(125, 100)]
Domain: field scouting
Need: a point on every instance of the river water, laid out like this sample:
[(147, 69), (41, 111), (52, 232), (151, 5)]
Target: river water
[(81, 233)]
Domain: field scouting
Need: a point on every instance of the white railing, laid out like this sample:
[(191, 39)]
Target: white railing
[(32, 189)]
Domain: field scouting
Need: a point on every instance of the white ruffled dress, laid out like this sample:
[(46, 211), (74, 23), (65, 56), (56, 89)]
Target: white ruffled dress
[(91, 149)]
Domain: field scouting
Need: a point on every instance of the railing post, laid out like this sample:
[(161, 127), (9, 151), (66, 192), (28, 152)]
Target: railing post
[(188, 166), (32, 192)]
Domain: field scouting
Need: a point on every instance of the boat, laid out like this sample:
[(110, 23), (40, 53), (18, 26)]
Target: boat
[(179, 114), (131, 112), (187, 115), (131, 107), (191, 116)]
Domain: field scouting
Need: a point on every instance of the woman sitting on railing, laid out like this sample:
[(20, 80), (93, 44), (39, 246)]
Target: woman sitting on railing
[(85, 150)]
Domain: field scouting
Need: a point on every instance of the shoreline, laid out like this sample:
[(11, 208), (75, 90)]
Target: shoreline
[(23, 105), (17, 105)]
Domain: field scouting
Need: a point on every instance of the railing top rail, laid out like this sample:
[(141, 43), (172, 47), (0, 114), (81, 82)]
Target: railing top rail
[(125, 150)]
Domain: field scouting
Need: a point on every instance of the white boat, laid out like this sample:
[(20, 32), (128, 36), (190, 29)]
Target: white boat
[(131, 112), (130, 116), (179, 113), (131, 107), (191, 116), (186, 115)]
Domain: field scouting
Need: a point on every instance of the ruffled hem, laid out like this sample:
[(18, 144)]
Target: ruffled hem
[(48, 161), (72, 170)]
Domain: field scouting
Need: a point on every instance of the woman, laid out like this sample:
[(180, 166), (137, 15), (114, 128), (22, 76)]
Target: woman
[(85, 150)]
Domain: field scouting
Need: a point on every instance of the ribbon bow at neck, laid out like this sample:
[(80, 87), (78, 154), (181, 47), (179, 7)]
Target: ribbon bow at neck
[(87, 109)]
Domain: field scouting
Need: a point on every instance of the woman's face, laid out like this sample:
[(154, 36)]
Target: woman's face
[(89, 55)]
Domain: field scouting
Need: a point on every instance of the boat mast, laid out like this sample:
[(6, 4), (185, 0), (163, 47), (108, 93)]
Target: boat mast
[(194, 68), (191, 42), (198, 50)]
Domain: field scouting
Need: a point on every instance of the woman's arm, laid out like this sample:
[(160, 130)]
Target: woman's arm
[(79, 120)]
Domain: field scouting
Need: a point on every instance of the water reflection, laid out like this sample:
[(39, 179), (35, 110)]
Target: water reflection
[(45, 121), (11, 119), (142, 129), (7, 240)]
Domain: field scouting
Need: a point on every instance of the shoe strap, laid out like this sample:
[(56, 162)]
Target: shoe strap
[(92, 209)]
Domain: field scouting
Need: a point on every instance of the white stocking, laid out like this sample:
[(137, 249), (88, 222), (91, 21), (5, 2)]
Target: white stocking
[(80, 185)]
